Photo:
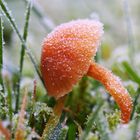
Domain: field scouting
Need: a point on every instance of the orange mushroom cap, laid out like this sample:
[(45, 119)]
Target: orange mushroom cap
[(67, 54)]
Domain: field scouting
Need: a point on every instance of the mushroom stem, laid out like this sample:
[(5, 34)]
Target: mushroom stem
[(114, 87), (54, 119)]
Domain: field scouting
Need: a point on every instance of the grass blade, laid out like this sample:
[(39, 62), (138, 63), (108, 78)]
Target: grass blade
[(135, 103), (25, 34), (135, 130), (1, 51), (63, 133), (103, 129), (129, 31), (55, 134), (7, 12), (9, 97), (90, 122), (136, 78), (1, 45), (72, 132), (132, 74), (46, 22)]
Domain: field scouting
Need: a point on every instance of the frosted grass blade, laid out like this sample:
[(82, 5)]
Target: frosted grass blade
[(1, 51), (7, 13), (25, 34)]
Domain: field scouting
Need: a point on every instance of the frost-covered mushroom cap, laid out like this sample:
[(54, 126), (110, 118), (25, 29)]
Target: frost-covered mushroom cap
[(67, 54)]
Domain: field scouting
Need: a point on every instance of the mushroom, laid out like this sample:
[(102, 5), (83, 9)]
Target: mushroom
[(66, 57)]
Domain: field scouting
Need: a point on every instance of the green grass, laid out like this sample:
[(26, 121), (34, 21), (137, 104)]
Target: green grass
[(25, 34), (1, 51), (7, 12), (89, 113)]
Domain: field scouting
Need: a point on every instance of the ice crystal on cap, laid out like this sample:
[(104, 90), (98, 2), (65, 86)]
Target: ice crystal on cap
[(67, 54)]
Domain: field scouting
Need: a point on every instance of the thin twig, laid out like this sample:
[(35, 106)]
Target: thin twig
[(20, 128)]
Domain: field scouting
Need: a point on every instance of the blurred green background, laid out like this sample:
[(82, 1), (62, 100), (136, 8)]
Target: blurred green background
[(113, 14)]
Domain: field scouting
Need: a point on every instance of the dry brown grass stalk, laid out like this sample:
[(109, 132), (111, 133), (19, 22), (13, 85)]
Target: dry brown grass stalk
[(20, 128), (5, 132)]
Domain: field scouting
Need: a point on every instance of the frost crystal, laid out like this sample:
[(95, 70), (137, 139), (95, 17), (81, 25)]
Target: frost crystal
[(67, 53)]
